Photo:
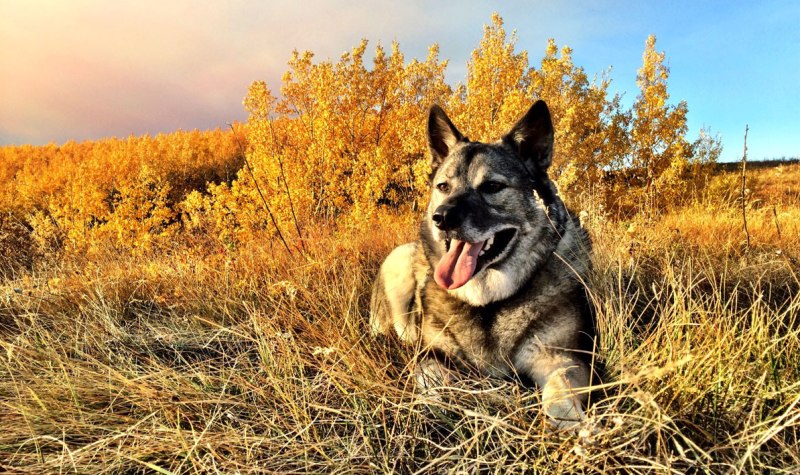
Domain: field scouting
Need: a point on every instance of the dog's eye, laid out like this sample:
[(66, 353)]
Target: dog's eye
[(444, 187), (491, 187)]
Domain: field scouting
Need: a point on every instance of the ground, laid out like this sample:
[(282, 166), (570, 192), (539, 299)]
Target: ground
[(246, 358)]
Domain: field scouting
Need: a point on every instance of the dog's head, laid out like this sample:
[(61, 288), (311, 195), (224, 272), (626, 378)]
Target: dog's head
[(484, 218)]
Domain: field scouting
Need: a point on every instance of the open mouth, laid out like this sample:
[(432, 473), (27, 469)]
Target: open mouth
[(462, 259), (492, 247)]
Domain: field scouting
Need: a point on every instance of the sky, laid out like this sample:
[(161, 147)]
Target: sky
[(88, 69)]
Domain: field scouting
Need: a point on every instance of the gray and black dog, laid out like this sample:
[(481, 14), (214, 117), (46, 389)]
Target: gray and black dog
[(496, 281)]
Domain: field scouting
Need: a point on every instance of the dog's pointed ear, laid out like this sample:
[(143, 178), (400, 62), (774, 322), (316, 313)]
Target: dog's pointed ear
[(442, 136), (532, 138)]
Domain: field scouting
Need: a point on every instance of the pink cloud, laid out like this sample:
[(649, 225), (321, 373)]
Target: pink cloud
[(87, 69)]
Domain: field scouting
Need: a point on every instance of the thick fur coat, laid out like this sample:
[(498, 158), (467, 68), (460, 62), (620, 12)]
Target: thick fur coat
[(496, 280)]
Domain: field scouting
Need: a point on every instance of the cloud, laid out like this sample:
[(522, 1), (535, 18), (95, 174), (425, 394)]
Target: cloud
[(87, 69)]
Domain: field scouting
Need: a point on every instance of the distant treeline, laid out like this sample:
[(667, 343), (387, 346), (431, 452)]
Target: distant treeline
[(763, 163)]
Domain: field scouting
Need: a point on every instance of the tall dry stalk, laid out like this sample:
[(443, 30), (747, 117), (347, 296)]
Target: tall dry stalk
[(258, 188), (285, 184), (744, 182)]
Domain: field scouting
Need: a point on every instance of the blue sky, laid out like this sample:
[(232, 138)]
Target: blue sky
[(87, 69)]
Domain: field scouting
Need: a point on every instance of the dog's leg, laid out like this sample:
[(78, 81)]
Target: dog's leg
[(563, 379), (393, 295)]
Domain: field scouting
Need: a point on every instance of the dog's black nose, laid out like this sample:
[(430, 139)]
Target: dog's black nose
[(447, 217)]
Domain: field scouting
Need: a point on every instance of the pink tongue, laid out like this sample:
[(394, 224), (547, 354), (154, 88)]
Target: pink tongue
[(457, 266)]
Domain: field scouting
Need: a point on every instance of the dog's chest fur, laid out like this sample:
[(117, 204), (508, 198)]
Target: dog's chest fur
[(489, 338)]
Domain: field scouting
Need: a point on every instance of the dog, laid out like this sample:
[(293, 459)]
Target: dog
[(496, 280)]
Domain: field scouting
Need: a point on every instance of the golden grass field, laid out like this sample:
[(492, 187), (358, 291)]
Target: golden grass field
[(246, 359)]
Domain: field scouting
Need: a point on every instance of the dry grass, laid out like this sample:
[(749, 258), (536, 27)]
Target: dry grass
[(247, 360)]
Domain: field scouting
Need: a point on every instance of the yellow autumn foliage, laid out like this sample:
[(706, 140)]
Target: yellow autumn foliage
[(344, 142)]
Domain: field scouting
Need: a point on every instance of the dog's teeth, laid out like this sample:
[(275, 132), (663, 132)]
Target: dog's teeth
[(489, 242), (482, 252)]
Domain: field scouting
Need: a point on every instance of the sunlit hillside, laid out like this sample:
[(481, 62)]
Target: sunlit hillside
[(198, 301)]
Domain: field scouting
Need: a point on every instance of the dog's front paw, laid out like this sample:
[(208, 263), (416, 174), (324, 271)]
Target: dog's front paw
[(564, 413), (561, 404)]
